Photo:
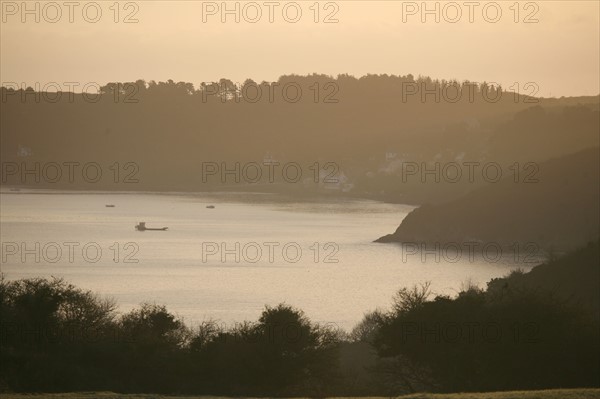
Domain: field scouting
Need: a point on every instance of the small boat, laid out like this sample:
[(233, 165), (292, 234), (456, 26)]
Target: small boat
[(109, 205), (210, 206), (141, 226)]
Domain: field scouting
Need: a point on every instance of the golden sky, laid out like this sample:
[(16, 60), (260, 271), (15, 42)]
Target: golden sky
[(558, 47)]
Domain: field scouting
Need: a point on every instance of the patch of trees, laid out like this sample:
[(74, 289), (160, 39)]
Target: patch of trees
[(515, 334), (58, 338), (170, 128)]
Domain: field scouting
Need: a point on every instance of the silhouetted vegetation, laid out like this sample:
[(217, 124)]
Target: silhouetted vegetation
[(56, 338), (510, 336), (514, 335), (170, 128)]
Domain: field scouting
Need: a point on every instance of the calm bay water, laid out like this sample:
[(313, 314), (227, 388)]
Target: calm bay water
[(316, 255)]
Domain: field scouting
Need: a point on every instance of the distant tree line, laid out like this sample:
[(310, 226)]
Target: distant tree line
[(170, 128), (315, 88)]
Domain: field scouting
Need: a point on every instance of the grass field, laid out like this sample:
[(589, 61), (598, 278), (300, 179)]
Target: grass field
[(547, 394)]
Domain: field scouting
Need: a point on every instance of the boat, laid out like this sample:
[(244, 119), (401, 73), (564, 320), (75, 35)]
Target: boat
[(109, 205), (210, 206), (141, 226)]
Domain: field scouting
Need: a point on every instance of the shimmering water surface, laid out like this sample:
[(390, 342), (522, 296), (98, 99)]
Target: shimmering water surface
[(316, 255)]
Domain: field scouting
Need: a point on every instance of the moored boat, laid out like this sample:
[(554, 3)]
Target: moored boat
[(141, 226)]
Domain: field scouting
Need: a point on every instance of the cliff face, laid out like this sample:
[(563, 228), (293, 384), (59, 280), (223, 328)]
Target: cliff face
[(559, 211)]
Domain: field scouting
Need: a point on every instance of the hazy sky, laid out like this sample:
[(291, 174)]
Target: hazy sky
[(560, 52)]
